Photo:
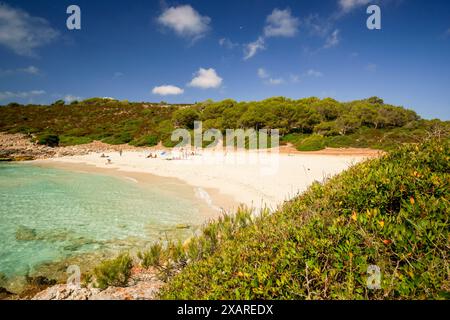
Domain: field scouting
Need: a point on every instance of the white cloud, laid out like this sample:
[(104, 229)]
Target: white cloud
[(281, 23), (205, 79), (314, 73), (32, 70), (185, 21), (253, 47), (317, 25), (348, 5), (71, 98), (262, 73), (23, 33), (275, 81), (8, 95), (332, 40), (227, 43), (167, 90)]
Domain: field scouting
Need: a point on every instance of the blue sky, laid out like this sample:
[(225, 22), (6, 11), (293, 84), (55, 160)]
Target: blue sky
[(180, 51)]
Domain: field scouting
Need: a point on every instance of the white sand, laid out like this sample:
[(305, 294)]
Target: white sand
[(256, 180)]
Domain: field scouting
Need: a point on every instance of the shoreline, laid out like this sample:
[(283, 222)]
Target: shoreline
[(170, 185), (227, 180), (222, 183)]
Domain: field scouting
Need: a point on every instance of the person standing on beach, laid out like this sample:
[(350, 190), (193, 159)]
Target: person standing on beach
[(120, 152)]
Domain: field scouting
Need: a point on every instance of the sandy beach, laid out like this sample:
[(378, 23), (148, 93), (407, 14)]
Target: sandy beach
[(256, 180)]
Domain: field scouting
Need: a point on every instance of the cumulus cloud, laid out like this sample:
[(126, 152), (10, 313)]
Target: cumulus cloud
[(205, 79), (317, 25), (275, 81), (262, 73), (185, 21), (167, 90), (332, 40), (8, 95), (71, 98), (227, 43), (314, 73), (348, 5), (253, 47), (281, 23), (23, 33)]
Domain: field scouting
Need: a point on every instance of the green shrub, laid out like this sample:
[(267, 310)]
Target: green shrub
[(115, 272), (339, 141), (312, 143), (121, 138), (50, 140), (72, 141), (149, 141), (391, 212), (152, 257)]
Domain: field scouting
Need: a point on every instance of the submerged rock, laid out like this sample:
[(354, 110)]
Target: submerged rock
[(5, 294), (40, 281), (26, 234), (182, 226), (143, 285)]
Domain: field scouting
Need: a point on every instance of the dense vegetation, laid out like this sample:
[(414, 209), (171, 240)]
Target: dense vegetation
[(114, 272), (391, 212), (309, 124)]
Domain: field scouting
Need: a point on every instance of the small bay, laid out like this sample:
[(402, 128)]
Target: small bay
[(51, 214)]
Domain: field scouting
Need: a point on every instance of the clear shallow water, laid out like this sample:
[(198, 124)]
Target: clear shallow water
[(48, 215)]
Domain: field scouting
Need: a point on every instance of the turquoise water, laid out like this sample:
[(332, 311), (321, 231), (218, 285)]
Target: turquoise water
[(49, 214)]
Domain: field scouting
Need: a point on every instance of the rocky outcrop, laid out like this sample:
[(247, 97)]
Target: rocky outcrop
[(20, 147), (143, 285)]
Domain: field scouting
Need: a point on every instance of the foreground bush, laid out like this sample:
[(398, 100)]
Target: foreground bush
[(391, 212), (115, 272)]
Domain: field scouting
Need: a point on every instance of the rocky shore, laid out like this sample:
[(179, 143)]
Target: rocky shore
[(143, 285), (20, 147)]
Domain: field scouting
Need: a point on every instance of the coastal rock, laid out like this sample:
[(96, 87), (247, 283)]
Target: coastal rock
[(143, 285), (5, 294), (40, 281), (65, 292), (25, 234)]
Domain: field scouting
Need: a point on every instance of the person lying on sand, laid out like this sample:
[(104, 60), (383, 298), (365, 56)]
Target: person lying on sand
[(109, 161)]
